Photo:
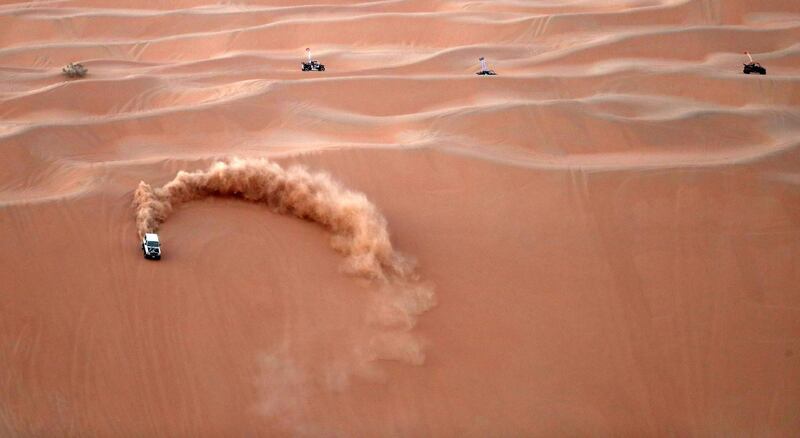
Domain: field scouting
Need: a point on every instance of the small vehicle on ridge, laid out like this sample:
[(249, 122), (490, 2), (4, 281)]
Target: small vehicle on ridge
[(74, 70), (312, 64), (753, 67)]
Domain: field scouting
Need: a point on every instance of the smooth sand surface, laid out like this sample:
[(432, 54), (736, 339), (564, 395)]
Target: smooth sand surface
[(611, 225)]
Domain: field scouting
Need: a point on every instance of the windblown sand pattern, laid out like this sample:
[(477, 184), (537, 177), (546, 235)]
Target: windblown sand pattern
[(611, 223)]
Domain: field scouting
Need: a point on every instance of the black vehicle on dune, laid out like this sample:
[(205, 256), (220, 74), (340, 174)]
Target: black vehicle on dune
[(754, 67), (313, 66)]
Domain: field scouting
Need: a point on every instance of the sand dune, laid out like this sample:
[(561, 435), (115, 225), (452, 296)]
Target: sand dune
[(610, 224)]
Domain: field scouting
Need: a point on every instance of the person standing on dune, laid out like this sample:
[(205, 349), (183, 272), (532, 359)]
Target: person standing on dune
[(484, 65), (485, 68)]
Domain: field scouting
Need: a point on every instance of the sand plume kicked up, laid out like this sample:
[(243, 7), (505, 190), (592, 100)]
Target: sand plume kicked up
[(359, 232)]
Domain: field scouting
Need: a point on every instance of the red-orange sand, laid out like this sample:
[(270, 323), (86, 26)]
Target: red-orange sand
[(611, 225)]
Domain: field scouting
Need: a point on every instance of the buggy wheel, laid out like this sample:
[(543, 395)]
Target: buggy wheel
[(321, 68)]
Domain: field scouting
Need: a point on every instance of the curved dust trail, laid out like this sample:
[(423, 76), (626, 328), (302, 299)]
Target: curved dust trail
[(359, 233)]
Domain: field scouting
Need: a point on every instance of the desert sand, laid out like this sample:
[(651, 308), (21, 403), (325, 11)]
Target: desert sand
[(601, 240)]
